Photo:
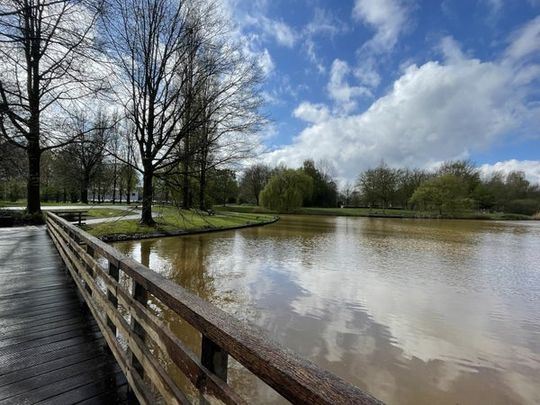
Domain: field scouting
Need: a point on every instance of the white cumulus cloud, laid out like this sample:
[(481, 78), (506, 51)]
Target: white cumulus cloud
[(265, 62), (282, 33), (437, 111), (387, 17), (526, 40), (531, 168), (339, 88), (312, 112)]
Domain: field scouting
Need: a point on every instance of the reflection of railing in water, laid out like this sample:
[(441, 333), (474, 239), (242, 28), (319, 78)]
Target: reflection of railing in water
[(296, 379)]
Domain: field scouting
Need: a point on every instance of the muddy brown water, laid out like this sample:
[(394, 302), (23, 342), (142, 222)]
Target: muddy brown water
[(413, 311)]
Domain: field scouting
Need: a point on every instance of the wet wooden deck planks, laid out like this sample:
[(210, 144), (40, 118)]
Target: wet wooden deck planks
[(51, 350)]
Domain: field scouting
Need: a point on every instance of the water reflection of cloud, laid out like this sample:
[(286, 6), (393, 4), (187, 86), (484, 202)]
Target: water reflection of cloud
[(422, 319), (413, 311)]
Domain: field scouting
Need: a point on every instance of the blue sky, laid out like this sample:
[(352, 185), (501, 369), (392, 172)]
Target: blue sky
[(410, 82)]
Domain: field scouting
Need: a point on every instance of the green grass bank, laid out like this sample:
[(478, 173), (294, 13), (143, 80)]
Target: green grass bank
[(380, 213), (172, 221)]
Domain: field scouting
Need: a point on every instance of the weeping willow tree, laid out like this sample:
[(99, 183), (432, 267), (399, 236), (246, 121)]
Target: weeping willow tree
[(286, 190)]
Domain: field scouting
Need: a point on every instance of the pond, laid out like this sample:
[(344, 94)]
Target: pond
[(413, 311)]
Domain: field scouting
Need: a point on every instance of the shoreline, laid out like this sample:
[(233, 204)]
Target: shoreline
[(395, 214), (480, 217), (111, 238)]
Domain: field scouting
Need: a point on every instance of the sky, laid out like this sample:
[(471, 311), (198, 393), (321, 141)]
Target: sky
[(409, 82)]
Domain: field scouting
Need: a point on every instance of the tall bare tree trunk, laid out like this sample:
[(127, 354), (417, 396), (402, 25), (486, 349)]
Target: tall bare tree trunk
[(114, 184), (34, 158), (185, 181), (148, 195), (84, 188), (34, 151)]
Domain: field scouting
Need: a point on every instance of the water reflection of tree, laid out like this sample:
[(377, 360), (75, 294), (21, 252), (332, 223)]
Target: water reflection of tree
[(191, 267), (186, 264)]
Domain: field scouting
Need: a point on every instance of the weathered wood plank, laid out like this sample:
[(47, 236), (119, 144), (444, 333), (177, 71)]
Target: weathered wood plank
[(61, 360), (145, 360), (46, 342), (143, 393), (112, 386), (52, 376), (102, 375), (44, 354)]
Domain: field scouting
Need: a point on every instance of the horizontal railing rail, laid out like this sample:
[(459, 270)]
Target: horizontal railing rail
[(132, 331), (78, 216)]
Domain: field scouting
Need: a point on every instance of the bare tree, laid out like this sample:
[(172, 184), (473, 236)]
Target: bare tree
[(151, 41), (46, 46), (128, 175), (231, 115), (225, 93), (254, 180), (347, 193), (169, 60), (12, 171), (90, 149)]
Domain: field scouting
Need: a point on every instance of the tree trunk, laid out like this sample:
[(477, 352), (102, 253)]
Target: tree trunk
[(128, 189), (148, 194), (185, 181), (84, 189), (33, 198), (114, 184), (185, 189), (202, 189)]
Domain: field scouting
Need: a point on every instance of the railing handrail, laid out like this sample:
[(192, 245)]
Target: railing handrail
[(293, 377)]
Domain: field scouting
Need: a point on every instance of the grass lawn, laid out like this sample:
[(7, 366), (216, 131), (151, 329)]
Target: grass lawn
[(170, 219), (18, 203), (108, 212), (367, 212), (248, 209)]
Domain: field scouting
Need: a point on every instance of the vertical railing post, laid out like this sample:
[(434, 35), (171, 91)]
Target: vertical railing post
[(139, 294), (113, 299), (90, 251), (214, 358)]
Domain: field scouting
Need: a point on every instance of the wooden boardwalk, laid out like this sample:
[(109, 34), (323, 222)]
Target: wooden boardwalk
[(51, 350)]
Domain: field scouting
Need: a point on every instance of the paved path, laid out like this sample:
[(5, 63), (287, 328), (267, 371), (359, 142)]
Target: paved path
[(76, 207), (51, 350)]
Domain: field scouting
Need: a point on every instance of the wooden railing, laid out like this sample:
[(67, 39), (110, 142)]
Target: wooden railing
[(133, 331), (78, 216)]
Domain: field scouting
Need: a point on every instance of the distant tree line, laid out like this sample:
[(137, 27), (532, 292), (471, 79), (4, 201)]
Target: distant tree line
[(94, 171), (455, 185)]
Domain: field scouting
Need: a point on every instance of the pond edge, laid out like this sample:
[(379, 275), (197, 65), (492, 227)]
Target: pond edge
[(180, 232)]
